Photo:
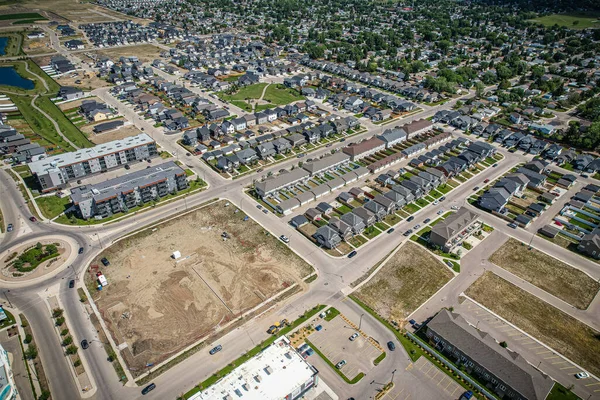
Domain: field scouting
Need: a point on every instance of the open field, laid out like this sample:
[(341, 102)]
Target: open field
[(121, 133), (275, 95), (88, 81), (547, 273), (145, 52), (68, 129), (280, 95), (565, 334), (405, 282), (158, 305), (571, 20), (23, 127), (37, 46)]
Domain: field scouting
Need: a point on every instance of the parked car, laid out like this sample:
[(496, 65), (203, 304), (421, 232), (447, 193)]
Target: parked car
[(427, 220), (105, 261), (265, 211), (33, 219), (9, 228), (85, 344), (391, 346), (390, 230), (284, 239), (80, 250), (71, 284), (454, 207), (513, 225), (582, 375), (436, 202), (585, 176), (486, 181), (442, 198), (495, 165), (127, 166), (148, 388), (259, 206), (476, 188), (412, 321), (329, 145), (410, 218), (340, 364), (354, 336), (352, 254), (466, 395), (215, 350), (449, 263), (417, 226), (406, 233), (440, 212)]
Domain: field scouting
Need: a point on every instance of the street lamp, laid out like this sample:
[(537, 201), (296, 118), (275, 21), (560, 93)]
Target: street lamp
[(393, 372)]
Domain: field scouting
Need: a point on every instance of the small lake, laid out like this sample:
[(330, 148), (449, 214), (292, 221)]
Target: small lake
[(10, 77), (3, 43)]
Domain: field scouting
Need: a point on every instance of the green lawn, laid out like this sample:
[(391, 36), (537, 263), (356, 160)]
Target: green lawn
[(280, 95), (411, 208), (77, 137), (248, 92), (39, 124), (371, 232), (343, 209), (32, 16), (574, 20), (357, 241), (52, 206)]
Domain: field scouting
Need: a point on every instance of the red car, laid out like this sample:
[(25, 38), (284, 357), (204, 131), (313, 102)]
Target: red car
[(486, 181), (33, 219)]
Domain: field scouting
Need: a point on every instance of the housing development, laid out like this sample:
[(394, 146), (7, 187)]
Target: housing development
[(350, 200)]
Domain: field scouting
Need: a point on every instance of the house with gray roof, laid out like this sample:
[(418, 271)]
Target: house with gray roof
[(393, 136), (405, 192), (367, 216), (494, 199), (354, 222), (397, 198), (503, 371), (377, 209), (590, 244), (342, 228), (454, 229), (327, 237)]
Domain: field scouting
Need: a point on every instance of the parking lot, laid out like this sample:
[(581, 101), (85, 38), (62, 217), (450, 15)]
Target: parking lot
[(537, 354), (333, 341)]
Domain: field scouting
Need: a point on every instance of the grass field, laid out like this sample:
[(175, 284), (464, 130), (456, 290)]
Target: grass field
[(52, 206), (405, 282), (40, 124), (547, 273), (248, 92), (571, 20), (280, 95), (565, 334), (275, 95), (23, 16), (69, 130)]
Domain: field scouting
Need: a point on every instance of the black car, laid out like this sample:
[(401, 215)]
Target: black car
[(215, 350), (85, 344), (148, 388), (410, 218), (406, 233), (427, 220), (81, 250), (352, 254), (442, 198), (390, 230), (105, 261), (71, 284), (391, 345)]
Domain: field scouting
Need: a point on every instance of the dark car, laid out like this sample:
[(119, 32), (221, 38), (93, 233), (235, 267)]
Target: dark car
[(215, 350), (105, 261), (265, 211), (412, 321), (85, 344), (513, 225), (352, 254), (33, 219), (391, 345), (410, 218), (127, 166), (81, 250), (406, 233), (9, 228), (71, 284), (427, 220), (148, 388), (390, 230), (442, 198), (585, 176), (495, 165), (476, 188)]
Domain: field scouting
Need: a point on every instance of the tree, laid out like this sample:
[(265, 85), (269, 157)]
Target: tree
[(72, 349), (38, 246), (51, 249), (31, 352), (57, 312), (67, 341), (28, 338)]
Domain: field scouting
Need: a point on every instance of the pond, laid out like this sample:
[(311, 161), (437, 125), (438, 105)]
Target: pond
[(10, 77), (3, 43)]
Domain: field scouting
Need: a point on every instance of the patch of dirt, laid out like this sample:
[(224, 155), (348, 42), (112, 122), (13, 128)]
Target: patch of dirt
[(405, 282), (121, 133), (87, 81), (159, 305)]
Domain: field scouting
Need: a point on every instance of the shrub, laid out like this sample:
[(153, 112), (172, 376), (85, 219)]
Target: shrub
[(57, 312), (60, 321), (72, 349), (77, 363), (31, 352), (67, 341), (64, 332), (45, 395), (28, 339), (504, 344)]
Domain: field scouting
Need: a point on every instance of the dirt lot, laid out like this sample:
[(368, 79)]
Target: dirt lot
[(88, 81), (145, 52), (405, 282), (547, 273), (121, 133), (563, 333), (158, 305), (76, 103), (37, 46)]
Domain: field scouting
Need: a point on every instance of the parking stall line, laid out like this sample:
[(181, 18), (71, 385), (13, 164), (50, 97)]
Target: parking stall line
[(570, 367), (592, 384), (536, 347), (559, 362), (514, 333), (544, 352), (522, 338)]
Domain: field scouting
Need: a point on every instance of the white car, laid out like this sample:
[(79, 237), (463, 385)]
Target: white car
[(582, 375), (284, 239), (454, 207), (354, 336)]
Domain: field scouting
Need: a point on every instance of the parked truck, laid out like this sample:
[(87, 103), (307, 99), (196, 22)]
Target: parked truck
[(273, 329)]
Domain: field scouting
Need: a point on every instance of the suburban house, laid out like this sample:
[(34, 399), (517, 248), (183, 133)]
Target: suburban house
[(590, 244), (453, 230), (364, 148), (503, 371), (327, 237)]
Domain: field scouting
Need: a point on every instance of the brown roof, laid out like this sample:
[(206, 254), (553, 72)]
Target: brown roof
[(417, 125), (364, 146)]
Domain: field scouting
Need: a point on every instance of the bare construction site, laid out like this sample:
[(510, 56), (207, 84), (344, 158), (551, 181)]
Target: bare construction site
[(159, 303)]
